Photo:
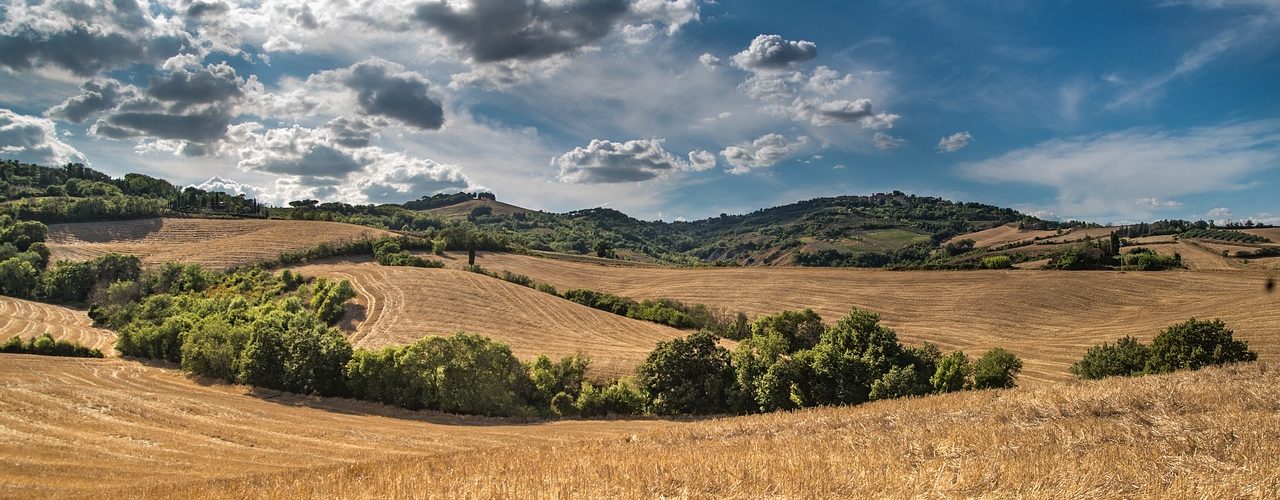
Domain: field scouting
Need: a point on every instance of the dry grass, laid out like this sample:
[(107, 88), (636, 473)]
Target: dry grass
[(1208, 434), (399, 305), (462, 210), (1001, 235), (1049, 318), (29, 319), (215, 243), (108, 427)]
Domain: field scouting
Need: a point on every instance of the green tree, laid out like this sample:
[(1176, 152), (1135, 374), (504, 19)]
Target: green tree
[(1127, 357), (996, 369), (1194, 345), (800, 329), (952, 373), (687, 375)]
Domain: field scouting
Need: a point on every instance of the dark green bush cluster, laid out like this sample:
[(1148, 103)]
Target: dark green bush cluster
[(668, 312), (25, 271), (1258, 253), (792, 360), (388, 252), (1145, 259), (1186, 346), (1225, 235), (472, 374), (45, 345)]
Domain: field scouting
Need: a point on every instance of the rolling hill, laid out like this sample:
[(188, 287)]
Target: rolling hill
[(28, 319), (104, 427), (1206, 434), (399, 305), (1049, 318), (214, 243)]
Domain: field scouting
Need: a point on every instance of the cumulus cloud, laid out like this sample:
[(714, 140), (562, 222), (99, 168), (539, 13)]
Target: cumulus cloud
[(1157, 203), (33, 139), (637, 160), (709, 60), (96, 96), (185, 87), (499, 30), (232, 187), (954, 142), (772, 52), (384, 88), (765, 151), (1102, 175), (886, 142), (87, 37)]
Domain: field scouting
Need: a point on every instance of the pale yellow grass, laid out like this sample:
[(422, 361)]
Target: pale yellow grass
[(29, 319), (1208, 434), (215, 243), (1049, 318), (399, 305), (106, 428), (1002, 235)]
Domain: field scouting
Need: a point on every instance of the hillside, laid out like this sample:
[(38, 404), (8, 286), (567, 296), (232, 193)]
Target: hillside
[(1049, 318), (464, 209), (76, 427), (399, 305), (214, 243), (29, 319), (1206, 434)]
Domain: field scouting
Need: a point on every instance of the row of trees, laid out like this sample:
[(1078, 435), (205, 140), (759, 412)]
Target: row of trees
[(45, 345), (1185, 346), (793, 360)]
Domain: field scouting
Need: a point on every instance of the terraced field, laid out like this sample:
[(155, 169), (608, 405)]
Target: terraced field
[(399, 305), (29, 319), (216, 243), (1048, 317), (80, 427)]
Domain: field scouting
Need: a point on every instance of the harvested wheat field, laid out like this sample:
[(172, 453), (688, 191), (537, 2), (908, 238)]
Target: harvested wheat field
[(399, 305), (1208, 434), (238, 241), (1002, 235), (88, 426), (1049, 318), (29, 319)]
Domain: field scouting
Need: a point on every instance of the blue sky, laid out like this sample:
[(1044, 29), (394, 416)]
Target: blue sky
[(1106, 111)]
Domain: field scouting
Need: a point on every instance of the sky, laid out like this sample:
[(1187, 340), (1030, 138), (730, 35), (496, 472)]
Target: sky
[(665, 109)]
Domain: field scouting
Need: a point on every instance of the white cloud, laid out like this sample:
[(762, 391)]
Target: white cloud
[(886, 142), (33, 139), (709, 60), (954, 142), (1101, 175), (772, 52), (603, 162), (766, 151), (1157, 203)]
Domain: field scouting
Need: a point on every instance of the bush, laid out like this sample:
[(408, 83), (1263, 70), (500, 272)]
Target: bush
[(45, 345), (687, 375), (800, 329), (1127, 357), (213, 348), (952, 373), (996, 369), (292, 350), (1149, 261), (1194, 345), (552, 380), (462, 374), (619, 398), (329, 299), (997, 262)]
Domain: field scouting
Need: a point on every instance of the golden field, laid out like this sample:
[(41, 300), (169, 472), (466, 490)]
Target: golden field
[(1049, 318), (28, 319), (105, 427), (238, 241), (1208, 434)]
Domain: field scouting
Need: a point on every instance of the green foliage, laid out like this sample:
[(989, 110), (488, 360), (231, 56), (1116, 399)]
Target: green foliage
[(1080, 258), (1143, 259), (687, 375), (463, 374), (997, 262), (1127, 357), (1224, 235), (290, 349), (213, 348), (329, 299), (800, 329), (73, 282), (388, 252), (552, 380), (996, 369), (45, 345), (952, 373), (1194, 345)]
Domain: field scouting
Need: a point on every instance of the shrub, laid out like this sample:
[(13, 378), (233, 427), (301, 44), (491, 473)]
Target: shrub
[(213, 349), (1194, 345), (618, 398), (551, 380), (329, 299), (292, 350), (952, 373), (801, 329), (687, 375), (45, 345), (997, 262), (996, 369), (899, 381), (1127, 357)]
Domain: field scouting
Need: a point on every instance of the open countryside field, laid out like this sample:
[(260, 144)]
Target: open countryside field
[(238, 241), (399, 305), (1208, 434), (77, 427), (29, 319), (1049, 318)]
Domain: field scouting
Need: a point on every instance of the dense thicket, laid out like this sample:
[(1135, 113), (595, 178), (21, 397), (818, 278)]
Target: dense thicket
[(45, 345), (1191, 345)]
